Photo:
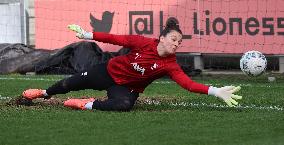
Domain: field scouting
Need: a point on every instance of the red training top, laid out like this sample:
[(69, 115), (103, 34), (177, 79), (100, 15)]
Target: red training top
[(142, 65)]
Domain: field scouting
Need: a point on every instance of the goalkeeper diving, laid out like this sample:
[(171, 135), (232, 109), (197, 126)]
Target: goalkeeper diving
[(125, 77)]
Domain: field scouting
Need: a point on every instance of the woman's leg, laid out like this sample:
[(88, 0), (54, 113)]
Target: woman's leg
[(96, 78), (120, 98)]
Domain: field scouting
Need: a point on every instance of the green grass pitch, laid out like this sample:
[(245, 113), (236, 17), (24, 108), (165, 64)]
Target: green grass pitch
[(165, 114)]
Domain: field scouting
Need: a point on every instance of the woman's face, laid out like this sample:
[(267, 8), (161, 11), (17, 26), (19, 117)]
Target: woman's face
[(171, 42)]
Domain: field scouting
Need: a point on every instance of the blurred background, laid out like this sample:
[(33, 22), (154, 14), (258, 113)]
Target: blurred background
[(215, 33)]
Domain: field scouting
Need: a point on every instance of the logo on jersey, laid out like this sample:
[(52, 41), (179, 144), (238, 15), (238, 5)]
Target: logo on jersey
[(155, 65), (137, 55), (138, 68)]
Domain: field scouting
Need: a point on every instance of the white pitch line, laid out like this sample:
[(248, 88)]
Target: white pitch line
[(5, 98), (245, 85), (29, 79), (186, 104)]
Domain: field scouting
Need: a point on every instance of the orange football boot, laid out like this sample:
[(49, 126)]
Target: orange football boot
[(78, 103), (33, 94)]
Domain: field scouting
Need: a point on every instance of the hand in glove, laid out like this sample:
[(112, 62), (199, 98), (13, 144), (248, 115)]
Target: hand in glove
[(80, 33), (226, 94)]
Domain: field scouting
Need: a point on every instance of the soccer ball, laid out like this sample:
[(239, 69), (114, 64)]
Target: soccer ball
[(253, 63)]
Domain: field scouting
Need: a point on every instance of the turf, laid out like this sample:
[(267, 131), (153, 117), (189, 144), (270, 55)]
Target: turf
[(164, 114)]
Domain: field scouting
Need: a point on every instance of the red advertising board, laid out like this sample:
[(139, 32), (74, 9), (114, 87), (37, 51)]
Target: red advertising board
[(208, 26)]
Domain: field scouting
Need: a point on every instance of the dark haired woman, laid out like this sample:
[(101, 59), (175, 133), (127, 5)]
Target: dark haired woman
[(124, 77)]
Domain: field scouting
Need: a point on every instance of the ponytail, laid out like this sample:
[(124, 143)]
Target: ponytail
[(171, 24)]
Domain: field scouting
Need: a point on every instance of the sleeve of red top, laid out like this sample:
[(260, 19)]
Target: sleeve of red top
[(127, 41), (177, 74)]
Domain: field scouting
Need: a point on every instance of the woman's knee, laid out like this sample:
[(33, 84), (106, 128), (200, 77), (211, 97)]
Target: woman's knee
[(124, 105), (113, 105)]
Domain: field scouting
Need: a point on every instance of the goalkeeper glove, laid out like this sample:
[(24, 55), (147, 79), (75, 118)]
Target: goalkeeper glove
[(80, 33), (226, 94)]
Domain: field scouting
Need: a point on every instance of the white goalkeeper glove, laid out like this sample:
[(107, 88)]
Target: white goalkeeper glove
[(226, 94), (80, 33)]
